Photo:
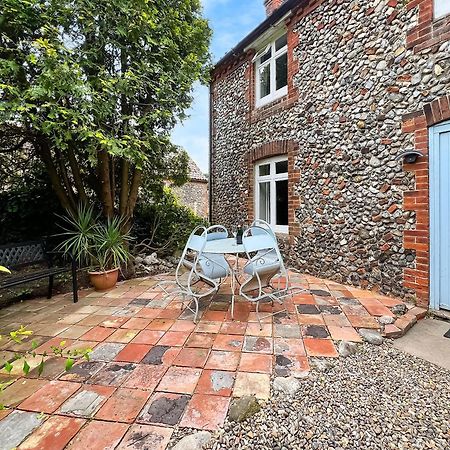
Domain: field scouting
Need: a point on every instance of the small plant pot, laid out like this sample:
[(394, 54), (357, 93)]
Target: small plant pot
[(103, 281)]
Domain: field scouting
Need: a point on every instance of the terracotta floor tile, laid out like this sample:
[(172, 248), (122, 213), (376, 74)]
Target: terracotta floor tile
[(216, 382), (73, 332), (52, 369), (133, 353), (160, 324), (253, 362), (98, 435), (291, 365), (192, 357), (92, 320), (256, 384), (208, 327), (221, 360), (72, 318), (252, 317), (136, 323), (174, 338), (183, 325), (122, 336), (161, 355), (344, 334), (145, 377), (304, 299), (228, 342), (320, 347), (20, 390), (256, 344), (363, 322), (148, 313), (164, 409), (233, 328), (218, 316), (336, 320), (150, 337), (170, 313), (54, 434), (205, 412), (54, 342), (253, 329), (288, 346), (201, 340), (124, 405), (155, 438), (86, 401), (181, 380), (82, 371), (310, 319), (114, 322), (50, 396), (376, 308), (97, 334)]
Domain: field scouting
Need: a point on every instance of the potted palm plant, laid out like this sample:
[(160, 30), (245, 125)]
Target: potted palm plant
[(101, 246)]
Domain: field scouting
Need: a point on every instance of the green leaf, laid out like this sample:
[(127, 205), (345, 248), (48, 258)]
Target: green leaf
[(69, 364), (26, 367), (41, 367), (8, 366)]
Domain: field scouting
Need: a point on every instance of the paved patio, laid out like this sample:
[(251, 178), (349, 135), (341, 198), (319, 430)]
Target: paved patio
[(153, 369)]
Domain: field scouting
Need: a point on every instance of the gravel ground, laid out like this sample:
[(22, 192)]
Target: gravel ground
[(379, 398)]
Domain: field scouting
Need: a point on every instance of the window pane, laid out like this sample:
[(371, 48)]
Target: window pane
[(264, 201), (282, 202), (441, 8), (266, 56), (281, 42), (281, 64), (281, 167), (264, 170), (264, 79)]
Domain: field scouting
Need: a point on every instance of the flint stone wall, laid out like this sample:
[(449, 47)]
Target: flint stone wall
[(356, 80)]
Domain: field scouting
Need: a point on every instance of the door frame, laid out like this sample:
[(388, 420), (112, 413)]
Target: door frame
[(434, 188)]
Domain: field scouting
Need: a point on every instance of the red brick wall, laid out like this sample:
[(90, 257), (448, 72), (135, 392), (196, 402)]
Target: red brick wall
[(272, 5)]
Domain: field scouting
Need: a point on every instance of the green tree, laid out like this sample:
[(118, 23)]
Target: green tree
[(94, 88)]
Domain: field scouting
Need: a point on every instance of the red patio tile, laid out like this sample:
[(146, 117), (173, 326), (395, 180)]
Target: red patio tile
[(170, 313), (98, 435), (228, 342), (150, 337), (145, 376), (320, 347), (97, 334), (114, 322), (216, 382), (201, 340), (233, 328), (54, 342), (288, 346), (124, 405), (376, 308), (389, 302), (122, 336), (337, 320), (253, 317), (208, 327), (143, 437), (50, 396), (181, 380), (344, 334), (92, 321), (133, 353), (223, 360), (148, 313), (215, 316), (174, 338), (310, 319), (253, 362), (160, 324), (161, 354), (183, 325), (303, 299), (192, 357), (363, 322), (291, 365), (136, 323), (205, 412), (54, 434), (253, 329)]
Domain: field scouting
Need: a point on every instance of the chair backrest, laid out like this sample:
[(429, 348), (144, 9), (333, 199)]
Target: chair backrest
[(216, 232)]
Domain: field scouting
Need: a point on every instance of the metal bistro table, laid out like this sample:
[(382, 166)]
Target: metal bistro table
[(227, 247)]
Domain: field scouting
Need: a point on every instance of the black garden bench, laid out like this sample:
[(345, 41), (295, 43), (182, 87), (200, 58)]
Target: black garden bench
[(31, 254)]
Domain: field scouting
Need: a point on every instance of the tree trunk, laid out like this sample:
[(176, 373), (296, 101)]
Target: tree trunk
[(105, 183), (124, 179), (77, 175)]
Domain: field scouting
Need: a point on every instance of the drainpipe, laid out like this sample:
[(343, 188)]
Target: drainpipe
[(210, 151)]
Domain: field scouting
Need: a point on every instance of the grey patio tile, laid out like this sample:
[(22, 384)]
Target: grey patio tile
[(288, 331), (106, 351), (255, 344), (16, 427), (114, 374)]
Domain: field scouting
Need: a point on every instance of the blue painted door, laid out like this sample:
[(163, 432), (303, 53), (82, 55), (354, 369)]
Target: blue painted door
[(440, 216)]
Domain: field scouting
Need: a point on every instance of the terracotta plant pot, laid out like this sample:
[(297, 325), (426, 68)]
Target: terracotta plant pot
[(102, 281)]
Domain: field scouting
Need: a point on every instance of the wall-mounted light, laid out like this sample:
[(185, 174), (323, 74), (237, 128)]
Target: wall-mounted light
[(409, 157)]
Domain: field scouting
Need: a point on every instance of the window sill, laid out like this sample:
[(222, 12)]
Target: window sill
[(270, 101)]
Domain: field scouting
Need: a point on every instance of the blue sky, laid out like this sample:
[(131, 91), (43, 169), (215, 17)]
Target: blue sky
[(230, 21)]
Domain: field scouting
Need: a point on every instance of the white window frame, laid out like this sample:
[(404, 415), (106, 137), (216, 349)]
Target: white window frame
[(274, 94), (441, 8), (272, 179)]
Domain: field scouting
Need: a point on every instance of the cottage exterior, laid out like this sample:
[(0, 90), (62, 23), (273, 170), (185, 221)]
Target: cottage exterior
[(309, 116)]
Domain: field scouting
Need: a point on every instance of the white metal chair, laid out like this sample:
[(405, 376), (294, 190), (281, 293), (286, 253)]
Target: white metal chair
[(264, 265), (195, 266)]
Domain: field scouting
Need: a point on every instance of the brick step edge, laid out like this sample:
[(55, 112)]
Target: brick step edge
[(404, 323)]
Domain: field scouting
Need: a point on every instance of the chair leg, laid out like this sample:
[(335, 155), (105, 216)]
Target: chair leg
[(50, 286), (257, 316), (196, 311)]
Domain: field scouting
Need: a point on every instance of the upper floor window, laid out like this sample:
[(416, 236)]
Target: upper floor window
[(272, 193), (441, 8), (272, 72)]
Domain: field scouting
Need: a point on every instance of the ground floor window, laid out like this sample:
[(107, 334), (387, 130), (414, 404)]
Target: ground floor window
[(271, 192)]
